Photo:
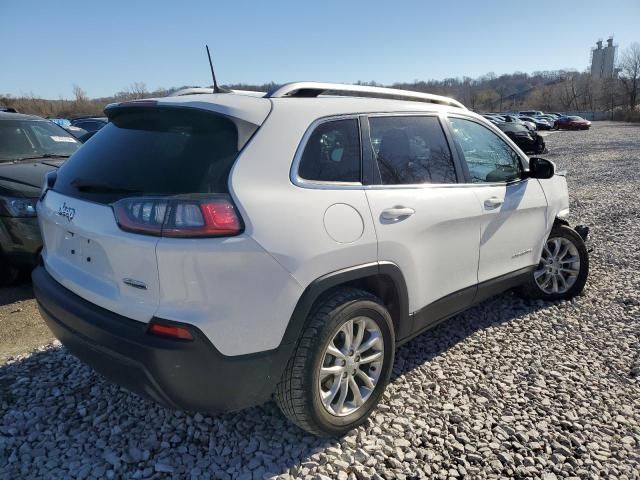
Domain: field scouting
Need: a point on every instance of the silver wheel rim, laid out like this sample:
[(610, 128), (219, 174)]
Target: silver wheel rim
[(559, 266), (351, 366)]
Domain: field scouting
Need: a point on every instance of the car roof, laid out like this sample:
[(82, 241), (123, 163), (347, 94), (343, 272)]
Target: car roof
[(254, 107), (19, 116)]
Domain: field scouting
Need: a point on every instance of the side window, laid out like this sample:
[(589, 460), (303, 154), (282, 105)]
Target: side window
[(332, 153), (488, 157), (411, 150)]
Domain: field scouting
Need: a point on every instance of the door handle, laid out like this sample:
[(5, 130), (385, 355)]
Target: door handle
[(397, 212), (493, 202)]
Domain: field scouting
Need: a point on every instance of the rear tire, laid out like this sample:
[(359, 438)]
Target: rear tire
[(563, 269), (325, 364)]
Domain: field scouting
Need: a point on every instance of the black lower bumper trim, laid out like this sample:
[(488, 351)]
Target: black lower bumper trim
[(583, 231), (187, 375)]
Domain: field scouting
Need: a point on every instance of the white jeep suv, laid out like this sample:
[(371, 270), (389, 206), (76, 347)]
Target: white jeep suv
[(213, 250)]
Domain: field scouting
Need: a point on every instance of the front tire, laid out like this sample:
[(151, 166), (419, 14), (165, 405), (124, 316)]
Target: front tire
[(341, 365), (563, 268)]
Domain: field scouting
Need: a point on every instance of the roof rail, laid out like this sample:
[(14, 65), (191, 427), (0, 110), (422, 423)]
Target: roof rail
[(204, 90), (313, 89)]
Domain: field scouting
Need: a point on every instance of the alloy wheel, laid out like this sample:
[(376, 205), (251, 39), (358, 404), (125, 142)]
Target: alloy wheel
[(351, 366), (559, 266)]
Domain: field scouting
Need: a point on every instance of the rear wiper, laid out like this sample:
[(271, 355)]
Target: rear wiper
[(95, 187), (44, 155)]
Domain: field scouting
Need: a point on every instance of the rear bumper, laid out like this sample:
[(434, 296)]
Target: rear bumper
[(186, 375)]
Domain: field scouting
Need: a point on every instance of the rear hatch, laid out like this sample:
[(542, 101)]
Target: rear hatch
[(149, 153)]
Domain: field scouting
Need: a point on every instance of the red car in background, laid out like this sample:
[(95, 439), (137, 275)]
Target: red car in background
[(571, 123)]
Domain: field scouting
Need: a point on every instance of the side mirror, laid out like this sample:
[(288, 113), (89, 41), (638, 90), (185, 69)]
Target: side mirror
[(541, 168)]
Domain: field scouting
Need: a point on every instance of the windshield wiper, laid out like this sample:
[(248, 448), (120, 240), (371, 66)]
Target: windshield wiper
[(96, 187), (44, 155)]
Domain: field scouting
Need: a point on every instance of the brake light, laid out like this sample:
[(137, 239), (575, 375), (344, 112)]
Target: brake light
[(178, 217), (172, 331)]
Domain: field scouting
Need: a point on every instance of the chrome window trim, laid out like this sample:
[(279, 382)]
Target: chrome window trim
[(320, 185)]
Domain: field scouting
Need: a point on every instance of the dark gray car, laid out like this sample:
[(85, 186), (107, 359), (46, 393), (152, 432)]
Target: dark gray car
[(30, 147)]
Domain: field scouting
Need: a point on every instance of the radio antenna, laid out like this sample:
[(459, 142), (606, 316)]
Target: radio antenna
[(216, 89)]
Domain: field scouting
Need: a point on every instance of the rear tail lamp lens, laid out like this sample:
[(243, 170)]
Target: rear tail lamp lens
[(177, 217), (171, 331)]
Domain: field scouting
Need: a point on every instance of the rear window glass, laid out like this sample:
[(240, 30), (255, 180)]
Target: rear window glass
[(332, 153), (153, 152)]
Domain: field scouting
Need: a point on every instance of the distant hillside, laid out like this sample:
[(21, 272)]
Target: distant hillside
[(560, 90)]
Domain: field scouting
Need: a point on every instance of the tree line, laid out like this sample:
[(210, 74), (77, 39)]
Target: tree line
[(551, 91)]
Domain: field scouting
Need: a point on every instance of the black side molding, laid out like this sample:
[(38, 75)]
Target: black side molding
[(456, 302)]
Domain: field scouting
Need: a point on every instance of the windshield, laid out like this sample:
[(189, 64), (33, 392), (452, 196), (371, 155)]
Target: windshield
[(34, 138)]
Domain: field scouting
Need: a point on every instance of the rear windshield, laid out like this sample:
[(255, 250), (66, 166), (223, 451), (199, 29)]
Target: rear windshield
[(153, 152)]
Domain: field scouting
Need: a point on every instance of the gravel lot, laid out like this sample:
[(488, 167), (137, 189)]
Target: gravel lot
[(509, 389)]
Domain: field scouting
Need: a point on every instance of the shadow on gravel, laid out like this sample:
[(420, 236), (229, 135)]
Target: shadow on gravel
[(488, 314), (59, 418), (16, 293)]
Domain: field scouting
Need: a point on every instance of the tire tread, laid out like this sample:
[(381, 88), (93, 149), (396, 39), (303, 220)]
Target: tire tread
[(290, 391)]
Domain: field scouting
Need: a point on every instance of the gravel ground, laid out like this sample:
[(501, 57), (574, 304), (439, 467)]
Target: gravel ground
[(509, 389), (21, 326)]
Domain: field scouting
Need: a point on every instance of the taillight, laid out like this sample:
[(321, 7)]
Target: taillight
[(178, 217), (172, 331)]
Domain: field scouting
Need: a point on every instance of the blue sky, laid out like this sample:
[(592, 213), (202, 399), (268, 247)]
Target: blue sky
[(104, 46)]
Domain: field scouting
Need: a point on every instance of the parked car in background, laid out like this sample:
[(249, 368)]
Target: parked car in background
[(493, 118), (548, 118), (90, 124), (528, 141), (540, 123), (516, 119), (30, 147), (63, 122), (571, 123), (76, 131), (214, 251), (531, 113)]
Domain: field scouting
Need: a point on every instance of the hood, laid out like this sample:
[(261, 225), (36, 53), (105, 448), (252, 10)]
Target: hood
[(25, 178)]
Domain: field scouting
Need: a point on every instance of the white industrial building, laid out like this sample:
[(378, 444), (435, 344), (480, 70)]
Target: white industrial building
[(603, 59)]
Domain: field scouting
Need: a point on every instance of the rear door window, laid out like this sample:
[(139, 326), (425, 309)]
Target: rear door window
[(153, 152), (332, 153), (411, 150)]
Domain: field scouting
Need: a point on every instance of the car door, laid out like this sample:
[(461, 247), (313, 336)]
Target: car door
[(514, 221), (425, 222)]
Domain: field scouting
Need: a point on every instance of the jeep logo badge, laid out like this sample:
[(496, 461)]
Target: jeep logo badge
[(66, 212)]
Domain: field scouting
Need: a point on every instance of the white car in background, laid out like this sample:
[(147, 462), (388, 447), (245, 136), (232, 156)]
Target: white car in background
[(211, 250)]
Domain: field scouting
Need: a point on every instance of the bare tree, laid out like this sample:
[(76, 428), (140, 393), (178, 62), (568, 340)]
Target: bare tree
[(138, 90), (630, 73), (79, 93)]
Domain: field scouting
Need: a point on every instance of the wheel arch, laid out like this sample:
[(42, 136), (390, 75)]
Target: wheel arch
[(560, 221), (382, 279)]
